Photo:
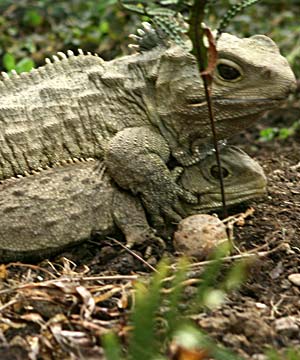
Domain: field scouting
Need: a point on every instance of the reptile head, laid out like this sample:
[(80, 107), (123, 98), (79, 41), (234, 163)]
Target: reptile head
[(251, 77), (243, 177)]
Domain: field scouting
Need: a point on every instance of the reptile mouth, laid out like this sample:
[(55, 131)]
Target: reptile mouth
[(215, 202), (196, 103)]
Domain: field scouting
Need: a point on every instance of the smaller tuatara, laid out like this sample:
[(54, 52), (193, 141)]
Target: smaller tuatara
[(44, 213)]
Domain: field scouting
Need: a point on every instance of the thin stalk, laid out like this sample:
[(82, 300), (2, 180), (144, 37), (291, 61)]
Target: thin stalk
[(196, 34), (207, 88)]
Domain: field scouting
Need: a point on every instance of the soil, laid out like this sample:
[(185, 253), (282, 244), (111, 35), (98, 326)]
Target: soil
[(265, 312), (46, 308)]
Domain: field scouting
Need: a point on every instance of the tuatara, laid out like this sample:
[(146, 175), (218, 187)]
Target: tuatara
[(136, 112), (43, 213)]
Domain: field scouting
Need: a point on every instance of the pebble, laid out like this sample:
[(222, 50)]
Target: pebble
[(261, 306), (294, 279), (286, 325), (198, 235), (259, 357)]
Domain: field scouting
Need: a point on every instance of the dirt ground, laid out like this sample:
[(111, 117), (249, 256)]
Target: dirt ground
[(52, 309), (265, 313)]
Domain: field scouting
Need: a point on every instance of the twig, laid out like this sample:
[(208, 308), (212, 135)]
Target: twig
[(247, 255), (196, 34), (133, 254), (70, 279), (30, 266)]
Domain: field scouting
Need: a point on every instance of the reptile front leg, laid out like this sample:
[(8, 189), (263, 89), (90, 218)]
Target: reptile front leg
[(136, 159), (130, 217)]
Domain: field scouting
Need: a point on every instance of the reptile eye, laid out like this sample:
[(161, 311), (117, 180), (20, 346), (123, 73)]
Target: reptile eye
[(227, 72), (215, 172)]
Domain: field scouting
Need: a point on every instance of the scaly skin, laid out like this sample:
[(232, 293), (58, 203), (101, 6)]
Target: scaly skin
[(44, 213), (136, 112)]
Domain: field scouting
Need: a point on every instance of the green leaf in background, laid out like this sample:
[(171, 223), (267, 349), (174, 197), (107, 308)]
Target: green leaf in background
[(24, 65), (134, 8), (105, 4), (32, 18), (9, 62), (104, 27), (284, 133), (267, 134)]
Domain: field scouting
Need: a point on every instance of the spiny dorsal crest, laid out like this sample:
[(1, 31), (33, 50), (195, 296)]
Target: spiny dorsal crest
[(59, 65), (150, 37)]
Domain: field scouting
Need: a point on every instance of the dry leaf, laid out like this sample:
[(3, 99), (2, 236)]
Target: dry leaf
[(3, 272), (182, 353), (212, 53)]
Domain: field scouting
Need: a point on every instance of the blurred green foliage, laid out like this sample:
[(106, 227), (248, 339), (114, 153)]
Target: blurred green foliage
[(159, 324), (36, 29), (291, 354), (283, 133), (159, 315), (9, 63)]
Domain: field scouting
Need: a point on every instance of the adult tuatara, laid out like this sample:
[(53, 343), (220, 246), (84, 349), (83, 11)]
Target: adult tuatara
[(136, 112)]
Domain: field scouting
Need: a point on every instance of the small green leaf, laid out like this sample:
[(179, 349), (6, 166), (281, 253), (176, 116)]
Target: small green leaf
[(236, 275), (25, 65), (159, 11), (284, 133), (213, 298), (173, 315), (134, 8), (144, 342), (112, 347), (9, 62), (104, 27), (267, 134), (32, 18)]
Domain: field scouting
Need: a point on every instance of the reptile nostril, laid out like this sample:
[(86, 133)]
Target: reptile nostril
[(294, 87), (267, 74)]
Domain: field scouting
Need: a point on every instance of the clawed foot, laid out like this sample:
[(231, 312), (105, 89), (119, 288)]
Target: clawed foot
[(149, 241), (165, 204)]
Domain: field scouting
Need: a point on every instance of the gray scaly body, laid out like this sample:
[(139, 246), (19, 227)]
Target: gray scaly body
[(46, 212)]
